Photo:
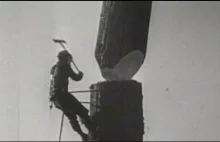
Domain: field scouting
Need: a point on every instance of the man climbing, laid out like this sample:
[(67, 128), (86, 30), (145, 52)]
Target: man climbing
[(60, 96)]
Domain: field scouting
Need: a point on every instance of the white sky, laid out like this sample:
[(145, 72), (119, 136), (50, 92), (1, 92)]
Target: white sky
[(28, 53)]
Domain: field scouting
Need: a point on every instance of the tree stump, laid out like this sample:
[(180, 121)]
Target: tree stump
[(116, 111), (122, 38)]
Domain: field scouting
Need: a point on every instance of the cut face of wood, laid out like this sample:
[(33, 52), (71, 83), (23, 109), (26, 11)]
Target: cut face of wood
[(129, 65), (126, 68)]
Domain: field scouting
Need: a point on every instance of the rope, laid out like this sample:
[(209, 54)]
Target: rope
[(61, 127), (88, 91), (84, 91), (49, 124)]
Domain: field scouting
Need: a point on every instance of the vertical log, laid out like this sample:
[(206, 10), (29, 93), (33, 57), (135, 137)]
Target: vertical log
[(117, 111), (122, 38)]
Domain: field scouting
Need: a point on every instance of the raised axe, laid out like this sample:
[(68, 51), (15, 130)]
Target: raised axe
[(62, 42)]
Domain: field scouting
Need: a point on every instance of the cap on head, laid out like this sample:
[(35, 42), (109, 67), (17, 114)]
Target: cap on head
[(63, 55)]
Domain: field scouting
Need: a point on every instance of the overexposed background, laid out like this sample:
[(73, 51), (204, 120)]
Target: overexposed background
[(180, 75)]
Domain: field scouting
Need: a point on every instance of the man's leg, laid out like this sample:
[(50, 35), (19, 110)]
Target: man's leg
[(75, 125), (82, 112), (85, 119), (64, 103)]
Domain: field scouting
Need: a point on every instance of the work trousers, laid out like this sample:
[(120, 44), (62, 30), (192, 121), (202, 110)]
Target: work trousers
[(71, 108)]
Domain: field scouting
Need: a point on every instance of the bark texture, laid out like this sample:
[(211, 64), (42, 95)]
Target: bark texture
[(123, 29), (117, 111)]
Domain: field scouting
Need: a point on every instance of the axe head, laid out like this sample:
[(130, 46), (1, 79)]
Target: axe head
[(59, 41)]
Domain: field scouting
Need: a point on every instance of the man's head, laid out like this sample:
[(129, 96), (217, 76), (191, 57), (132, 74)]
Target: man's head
[(64, 56)]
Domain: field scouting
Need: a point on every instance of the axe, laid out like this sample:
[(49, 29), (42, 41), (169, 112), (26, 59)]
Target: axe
[(62, 42)]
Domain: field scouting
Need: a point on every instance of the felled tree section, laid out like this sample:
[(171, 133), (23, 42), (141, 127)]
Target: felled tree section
[(122, 38)]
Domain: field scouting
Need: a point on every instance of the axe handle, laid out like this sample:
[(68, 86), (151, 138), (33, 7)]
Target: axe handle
[(62, 45), (72, 60), (75, 66)]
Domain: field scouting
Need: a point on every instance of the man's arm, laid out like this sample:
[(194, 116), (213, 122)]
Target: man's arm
[(74, 76)]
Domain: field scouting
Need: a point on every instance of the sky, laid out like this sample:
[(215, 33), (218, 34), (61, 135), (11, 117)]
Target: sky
[(180, 76)]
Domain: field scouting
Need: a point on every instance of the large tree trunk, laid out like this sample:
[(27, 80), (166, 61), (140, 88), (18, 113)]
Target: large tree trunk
[(117, 111), (122, 38)]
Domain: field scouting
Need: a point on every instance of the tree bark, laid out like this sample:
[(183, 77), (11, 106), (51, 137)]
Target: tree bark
[(116, 111), (122, 38)]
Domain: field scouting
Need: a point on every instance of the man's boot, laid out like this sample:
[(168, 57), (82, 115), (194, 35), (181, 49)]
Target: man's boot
[(76, 127), (84, 137), (87, 122)]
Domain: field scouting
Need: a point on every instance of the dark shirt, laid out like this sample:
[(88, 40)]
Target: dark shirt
[(60, 74)]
